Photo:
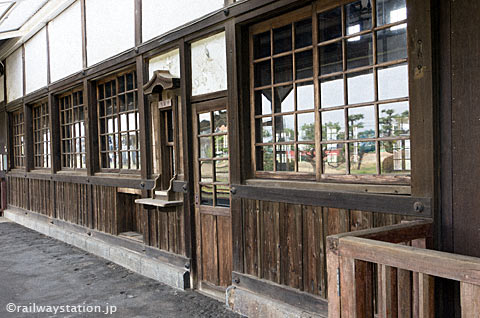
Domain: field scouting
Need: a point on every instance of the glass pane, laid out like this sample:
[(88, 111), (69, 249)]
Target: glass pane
[(221, 171), (264, 130), (359, 16), (333, 125), (206, 195), (123, 122), (221, 146), (306, 127), (333, 159), (125, 160), (361, 122), (101, 92), (223, 195), (284, 99), (391, 11), (394, 119), (124, 141), (359, 51), (108, 89), (330, 25), (263, 102), (262, 73), (205, 147), (393, 82), (303, 65), (282, 39), (206, 171), (121, 84), (130, 101), (101, 110), (306, 158), (360, 87), (122, 103), (392, 44), (305, 96), (109, 106), (363, 159), (130, 83), (285, 158), (303, 33), (395, 156), (204, 124), (283, 69), (261, 45), (220, 121), (285, 128), (132, 141), (330, 58), (131, 121), (264, 158), (332, 92)]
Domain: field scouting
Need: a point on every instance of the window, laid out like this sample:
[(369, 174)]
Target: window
[(41, 135), (72, 129), (342, 89), (119, 122), (18, 135)]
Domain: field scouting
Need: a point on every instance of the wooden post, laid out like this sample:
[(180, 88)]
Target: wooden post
[(364, 289), (426, 296), (347, 287), (470, 300), (333, 279), (404, 284)]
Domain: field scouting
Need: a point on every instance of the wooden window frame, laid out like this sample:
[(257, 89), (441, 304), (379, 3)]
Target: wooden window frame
[(71, 108), (18, 139), (40, 126), (313, 11)]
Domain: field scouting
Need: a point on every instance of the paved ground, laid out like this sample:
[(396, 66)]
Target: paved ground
[(36, 270)]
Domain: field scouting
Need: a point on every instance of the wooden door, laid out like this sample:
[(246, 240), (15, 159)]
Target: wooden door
[(212, 197)]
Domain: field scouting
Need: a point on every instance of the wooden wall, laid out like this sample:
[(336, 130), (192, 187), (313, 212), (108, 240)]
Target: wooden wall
[(166, 229), (285, 243)]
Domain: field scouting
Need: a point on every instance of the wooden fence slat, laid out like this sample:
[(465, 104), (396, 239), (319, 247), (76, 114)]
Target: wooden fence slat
[(333, 265), (470, 300), (363, 289), (426, 296), (404, 284), (347, 287), (389, 292)]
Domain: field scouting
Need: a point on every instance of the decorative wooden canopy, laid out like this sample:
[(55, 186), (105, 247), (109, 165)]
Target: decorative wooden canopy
[(160, 81)]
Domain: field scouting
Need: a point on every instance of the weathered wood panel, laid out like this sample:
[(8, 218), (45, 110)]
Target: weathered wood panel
[(18, 192), (165, 229), (72, 203)]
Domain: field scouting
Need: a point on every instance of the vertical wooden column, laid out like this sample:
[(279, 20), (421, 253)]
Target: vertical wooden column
[(333, 278), (470, 300)]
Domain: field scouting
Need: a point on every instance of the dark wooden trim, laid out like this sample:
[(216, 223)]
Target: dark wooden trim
[(48, 55), (288, 295), (84, 34), (394, 204), (34, 96), (24, 82), (138, 22), (144, 113), (209, 96), (91, 121), (10, 151), (28, 124), (55, 154), (180, 186)]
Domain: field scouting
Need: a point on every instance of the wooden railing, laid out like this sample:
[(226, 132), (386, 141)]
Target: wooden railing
[(388, 272)]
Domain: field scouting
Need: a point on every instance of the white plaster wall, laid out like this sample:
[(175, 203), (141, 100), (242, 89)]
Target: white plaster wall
[(209, 65), (36, 62), (169, 61), (110, 28), (2, 88), (65, 36), (161, 16), (14, 73)]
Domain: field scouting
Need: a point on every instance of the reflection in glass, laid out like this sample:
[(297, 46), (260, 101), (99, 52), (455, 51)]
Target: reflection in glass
[(222, 196), (283, 69), (206, 171), (333, 159), (221, 171), (284, 128), (220, 121), (282, 39), (205, 147), (363, 158), (331, 92), (221, 146), (359, 16), (395, 156), (264, 125), (393, 81), (204, 124), (303, 33), (261, 45), (264, 158), (360, 87), (361, 122), (333, 125), (394, 119), (262, 73), (330, 24), (305, 96), (206, 195), (306, 127), (359, 51), (306, 158), (263, 102), (284, 99), (330, 58), (303, 65), (390, 11), (392, 44), (285, 157)]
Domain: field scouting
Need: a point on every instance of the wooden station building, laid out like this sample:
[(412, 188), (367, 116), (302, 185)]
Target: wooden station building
[(303, 158)]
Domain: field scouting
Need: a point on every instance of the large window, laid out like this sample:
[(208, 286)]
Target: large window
[(72, 129), (119, 122), (18, 134), (340, 89), (41, 135)]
